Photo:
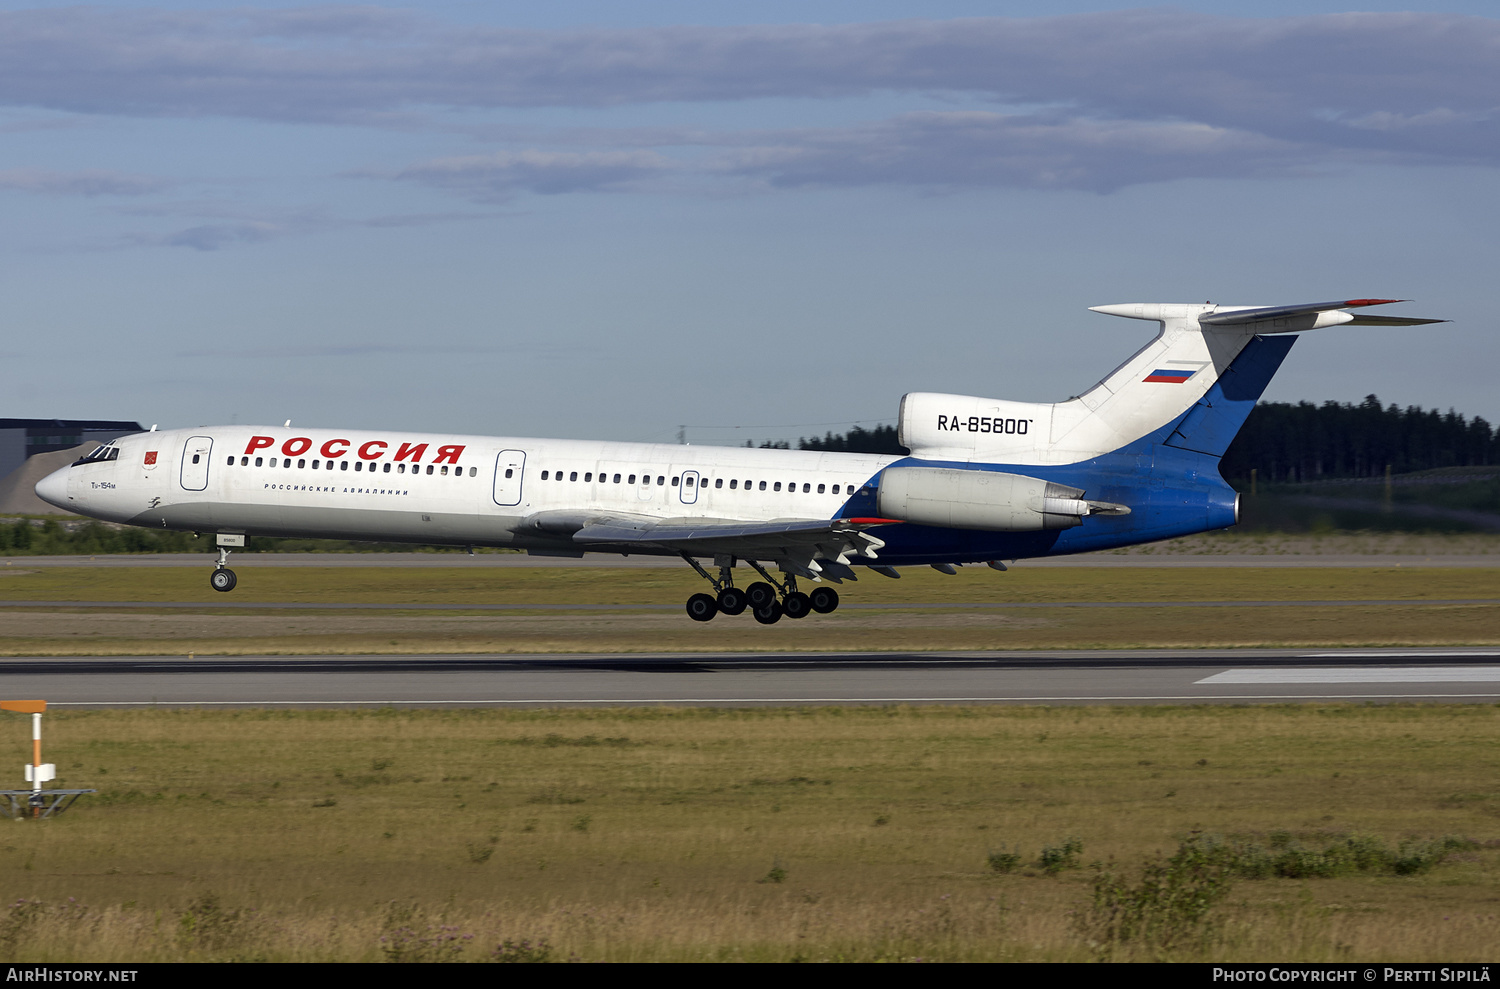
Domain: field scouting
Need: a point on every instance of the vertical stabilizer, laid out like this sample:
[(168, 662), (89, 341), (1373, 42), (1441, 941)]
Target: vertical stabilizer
[(1191, 387)]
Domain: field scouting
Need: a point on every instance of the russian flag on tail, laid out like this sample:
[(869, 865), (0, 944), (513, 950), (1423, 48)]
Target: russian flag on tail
[(1170, 376)]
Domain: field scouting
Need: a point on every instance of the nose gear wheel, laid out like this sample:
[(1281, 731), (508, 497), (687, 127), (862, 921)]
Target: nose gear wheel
[(223, 578)]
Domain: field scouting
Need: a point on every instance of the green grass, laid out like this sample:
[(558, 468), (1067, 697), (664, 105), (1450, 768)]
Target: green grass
[(457, 627), (670, 586), (717, 834)]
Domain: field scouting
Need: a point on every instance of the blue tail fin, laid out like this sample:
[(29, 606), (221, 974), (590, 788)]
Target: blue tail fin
[(1211, 425)]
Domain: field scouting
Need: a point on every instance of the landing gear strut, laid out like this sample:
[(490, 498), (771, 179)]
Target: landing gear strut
[(768, 600), (223, 578), (728, 598), (794, 604)]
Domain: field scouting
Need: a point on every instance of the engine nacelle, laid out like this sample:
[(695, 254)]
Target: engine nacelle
[(982, 499)]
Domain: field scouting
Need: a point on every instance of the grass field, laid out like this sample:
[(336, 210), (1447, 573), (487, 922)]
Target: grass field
[(817, 834), (946, 618)]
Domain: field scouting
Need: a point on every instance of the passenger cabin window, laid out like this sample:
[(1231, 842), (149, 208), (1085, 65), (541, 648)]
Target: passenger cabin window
[(244, 461), (544, 475), (718, 482), (763, 485), (445, 470), (473, 471), (386, 469), (588, 476), (343, 465), (259, 461), (661, 479), (674, 482), (572, 475), (617, 478), (301, 464), (806, 488), (820, 489), (776, 486), (835, 489), (429, 468), (733, 483)]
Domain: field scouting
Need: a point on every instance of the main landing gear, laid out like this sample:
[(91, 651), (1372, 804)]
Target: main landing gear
[(223, 578), (760, 597)]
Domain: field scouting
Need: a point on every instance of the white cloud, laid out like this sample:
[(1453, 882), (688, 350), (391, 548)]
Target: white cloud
[(500, 175), (1120, 97), (967, 149), (81, 183)]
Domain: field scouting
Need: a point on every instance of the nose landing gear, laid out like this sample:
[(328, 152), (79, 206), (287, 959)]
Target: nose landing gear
[(223, 578)]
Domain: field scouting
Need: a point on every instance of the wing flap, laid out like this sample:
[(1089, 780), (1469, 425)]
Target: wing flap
[(796, 545)]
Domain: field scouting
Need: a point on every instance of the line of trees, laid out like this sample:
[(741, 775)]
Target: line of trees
[(881, 439), (1302, 442)]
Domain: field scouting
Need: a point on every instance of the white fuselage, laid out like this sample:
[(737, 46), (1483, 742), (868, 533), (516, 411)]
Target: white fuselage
[(437, 488)]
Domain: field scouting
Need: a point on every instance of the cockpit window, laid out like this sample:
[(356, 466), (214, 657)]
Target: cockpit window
[(100, 455)]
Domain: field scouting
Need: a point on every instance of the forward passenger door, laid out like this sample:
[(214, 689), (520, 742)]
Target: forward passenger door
[(195, 455)]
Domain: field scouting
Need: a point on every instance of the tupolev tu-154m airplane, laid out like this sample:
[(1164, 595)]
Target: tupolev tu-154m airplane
[(1132, 460)]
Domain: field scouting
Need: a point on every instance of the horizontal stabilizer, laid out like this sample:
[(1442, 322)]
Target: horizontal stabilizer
[(1364, 320), (1236, 316)]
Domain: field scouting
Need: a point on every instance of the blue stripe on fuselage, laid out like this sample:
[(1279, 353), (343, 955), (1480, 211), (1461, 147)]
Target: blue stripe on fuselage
[(1169, 479)]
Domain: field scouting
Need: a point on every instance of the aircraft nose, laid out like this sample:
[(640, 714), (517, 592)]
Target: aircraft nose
[(53, 489)]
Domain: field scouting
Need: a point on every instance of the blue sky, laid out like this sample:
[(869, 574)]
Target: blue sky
[(761, 221)]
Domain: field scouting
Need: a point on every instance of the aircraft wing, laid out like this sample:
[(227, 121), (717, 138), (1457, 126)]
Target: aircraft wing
[(807, 547)]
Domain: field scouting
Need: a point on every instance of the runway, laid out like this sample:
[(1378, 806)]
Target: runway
[(745, 679)]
